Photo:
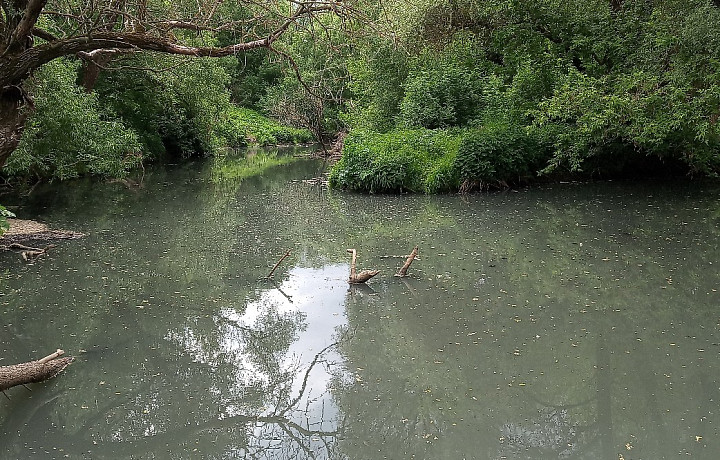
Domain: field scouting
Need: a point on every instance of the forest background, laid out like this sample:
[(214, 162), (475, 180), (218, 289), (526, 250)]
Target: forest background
[(435, 96)]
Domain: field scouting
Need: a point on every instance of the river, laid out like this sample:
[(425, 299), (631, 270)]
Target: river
[(561, 321)]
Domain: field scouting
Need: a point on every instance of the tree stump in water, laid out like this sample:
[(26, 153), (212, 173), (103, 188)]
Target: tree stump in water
[(33, 371), (363, 276)]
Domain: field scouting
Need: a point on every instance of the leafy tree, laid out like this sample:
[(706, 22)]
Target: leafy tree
[(36, 32), (69, 135)]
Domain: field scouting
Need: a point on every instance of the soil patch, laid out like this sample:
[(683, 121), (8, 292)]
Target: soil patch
[(23, 231)]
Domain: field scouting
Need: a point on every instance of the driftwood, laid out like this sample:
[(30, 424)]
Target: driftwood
[(403, 270), (269, 275), (363, 276), (29, 253), (33, 371)]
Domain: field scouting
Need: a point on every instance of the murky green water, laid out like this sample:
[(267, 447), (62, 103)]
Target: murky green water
[(571, 321)]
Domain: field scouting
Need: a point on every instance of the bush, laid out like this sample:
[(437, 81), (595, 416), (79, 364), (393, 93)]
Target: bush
[(4, 224), (441, 97), (498, 154), (177, 112), (68, 135), (398, 161)]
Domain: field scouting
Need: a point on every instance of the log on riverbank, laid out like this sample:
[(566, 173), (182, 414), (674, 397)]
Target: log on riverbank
[(33, 371)]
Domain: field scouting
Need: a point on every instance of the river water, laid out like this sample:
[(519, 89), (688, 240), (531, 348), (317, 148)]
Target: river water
[(564, 321)]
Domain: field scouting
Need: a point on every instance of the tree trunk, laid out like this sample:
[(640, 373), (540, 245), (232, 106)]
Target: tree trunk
[(33, 371), (13, 113)]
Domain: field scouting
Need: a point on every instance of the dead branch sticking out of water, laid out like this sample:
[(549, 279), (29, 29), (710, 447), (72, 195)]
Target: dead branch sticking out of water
[(363, 276), (269, 275), (33, 371), (403, 270)]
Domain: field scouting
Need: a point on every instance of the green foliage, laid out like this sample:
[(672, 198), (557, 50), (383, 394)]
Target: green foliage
[(598, 122), (4, 214), (440, 98), (313, 89), (243, 126), (253, 74), (176, 112), (445, 87), (497, 154), (626, 87), (68, 134), (404, 160), (378, 74)]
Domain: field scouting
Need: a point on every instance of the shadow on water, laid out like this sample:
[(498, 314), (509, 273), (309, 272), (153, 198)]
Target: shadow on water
[(574, 321)]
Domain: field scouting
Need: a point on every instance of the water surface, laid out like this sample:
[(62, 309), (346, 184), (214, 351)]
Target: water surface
[(568, 321)]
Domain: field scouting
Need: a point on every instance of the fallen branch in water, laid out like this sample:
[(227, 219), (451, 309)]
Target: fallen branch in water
[(363, 276), (33, 371), (269, 275), (403, 270), (29, 253)]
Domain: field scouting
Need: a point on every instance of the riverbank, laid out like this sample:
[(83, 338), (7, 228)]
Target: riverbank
[(24, 231), (496, 156)]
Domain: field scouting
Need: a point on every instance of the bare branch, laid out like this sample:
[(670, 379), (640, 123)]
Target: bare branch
[(47, 36)]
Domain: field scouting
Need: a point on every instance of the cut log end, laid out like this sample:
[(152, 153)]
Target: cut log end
[(33, 371)]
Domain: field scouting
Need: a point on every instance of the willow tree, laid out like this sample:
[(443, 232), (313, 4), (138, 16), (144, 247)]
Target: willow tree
[(35, 32)]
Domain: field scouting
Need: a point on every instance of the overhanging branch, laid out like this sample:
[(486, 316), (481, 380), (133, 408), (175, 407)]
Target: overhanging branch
[(25, 26)]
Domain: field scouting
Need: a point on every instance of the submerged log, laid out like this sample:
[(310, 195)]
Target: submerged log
[(33, 371), (30, 253), (403, 270), (363, 276)]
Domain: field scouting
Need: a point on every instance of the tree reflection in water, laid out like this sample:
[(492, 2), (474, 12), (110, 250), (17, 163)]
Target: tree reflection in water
[(245, 381), (276, 408)]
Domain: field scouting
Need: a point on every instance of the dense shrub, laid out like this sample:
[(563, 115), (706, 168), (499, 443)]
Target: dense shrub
[(378, 73), (4, 215), (68, 134), (405, 160), (441, 98), (497, 155), (177, 112)]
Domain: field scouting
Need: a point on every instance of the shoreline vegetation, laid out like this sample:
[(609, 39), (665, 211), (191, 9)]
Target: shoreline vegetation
[(437, 97)]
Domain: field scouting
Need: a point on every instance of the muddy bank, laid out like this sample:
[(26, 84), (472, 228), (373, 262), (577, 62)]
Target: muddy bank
[(25, 231)]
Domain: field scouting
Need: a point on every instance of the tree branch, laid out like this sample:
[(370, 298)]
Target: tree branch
[(25, 26), (47, 36), (16, 70)]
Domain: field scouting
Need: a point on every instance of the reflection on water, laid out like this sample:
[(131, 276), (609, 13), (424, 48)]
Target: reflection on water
[(577, 321)]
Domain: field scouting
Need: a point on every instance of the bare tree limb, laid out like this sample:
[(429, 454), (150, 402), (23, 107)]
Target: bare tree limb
[(269, 275), (403, 270)]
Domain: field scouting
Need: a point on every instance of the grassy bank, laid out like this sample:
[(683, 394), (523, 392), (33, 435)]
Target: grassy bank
[(246, 126)]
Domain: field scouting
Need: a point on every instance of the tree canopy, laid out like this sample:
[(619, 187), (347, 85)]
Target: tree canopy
[(36, 32)]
